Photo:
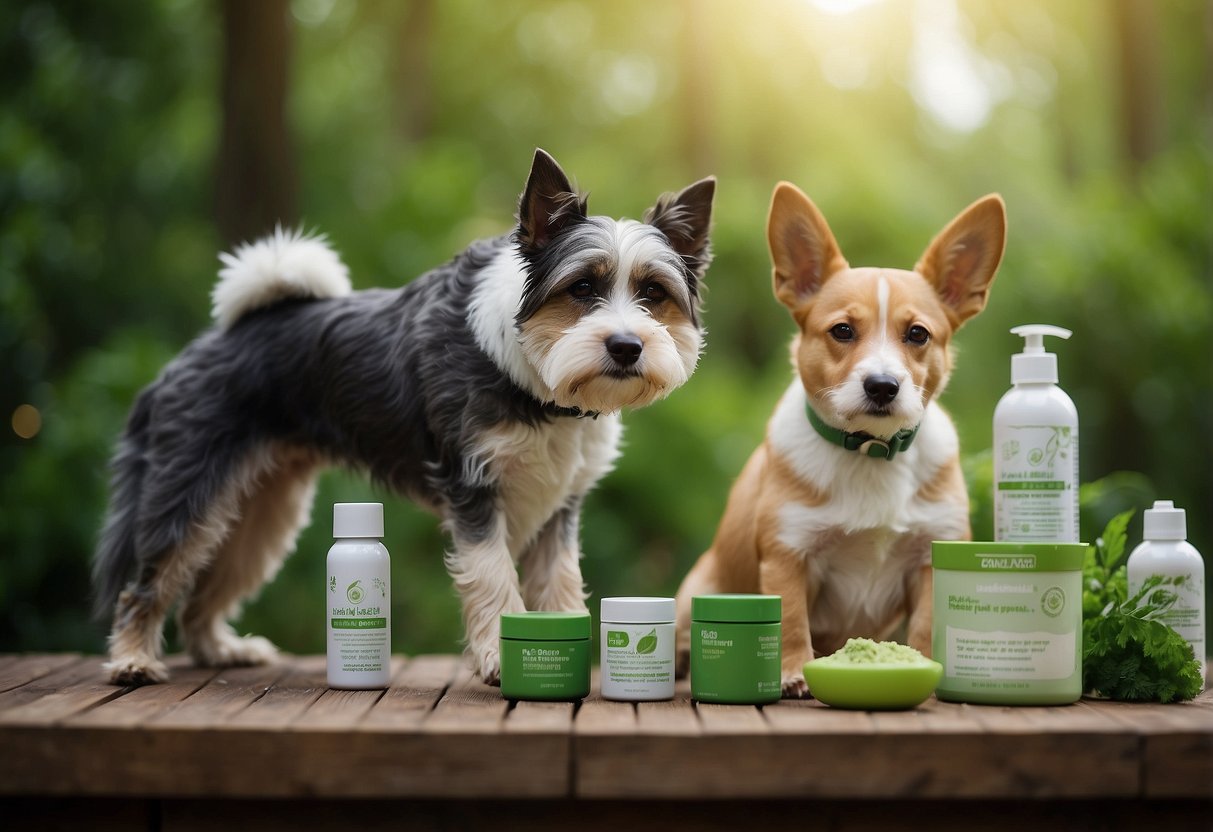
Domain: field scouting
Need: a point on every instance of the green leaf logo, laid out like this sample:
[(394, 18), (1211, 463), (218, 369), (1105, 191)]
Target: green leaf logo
[(1053, 601), (355, 593), (648, 644)]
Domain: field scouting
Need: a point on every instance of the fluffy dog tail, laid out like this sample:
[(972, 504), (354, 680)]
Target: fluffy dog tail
[(285, 264), (114, 560)]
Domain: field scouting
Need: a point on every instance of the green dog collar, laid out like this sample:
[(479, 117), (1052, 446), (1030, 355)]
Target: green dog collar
[(863, 442)]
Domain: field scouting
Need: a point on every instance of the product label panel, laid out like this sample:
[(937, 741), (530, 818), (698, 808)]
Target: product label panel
[(1033, 499), (1002, 654), (735, 662), (638, 660), (358, 632), (1010, 635)]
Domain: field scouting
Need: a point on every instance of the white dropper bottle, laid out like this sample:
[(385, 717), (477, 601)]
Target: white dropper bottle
[(1166, 552), (1036, 448), (359, 608)]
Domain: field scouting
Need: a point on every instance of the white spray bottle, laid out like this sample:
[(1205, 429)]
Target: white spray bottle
[(1036, 448), (359, 607), (1166, 552)]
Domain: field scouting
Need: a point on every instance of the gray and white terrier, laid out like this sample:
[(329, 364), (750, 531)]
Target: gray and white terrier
[(487, 390)]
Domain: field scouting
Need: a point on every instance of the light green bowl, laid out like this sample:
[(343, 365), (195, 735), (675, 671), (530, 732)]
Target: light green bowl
[(872, 687)]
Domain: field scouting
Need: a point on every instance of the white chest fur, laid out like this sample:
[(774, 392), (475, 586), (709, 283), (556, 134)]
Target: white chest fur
[(874, 527), (538, 469)]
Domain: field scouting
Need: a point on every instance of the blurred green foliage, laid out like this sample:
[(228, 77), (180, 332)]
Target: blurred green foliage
[(413, 133)]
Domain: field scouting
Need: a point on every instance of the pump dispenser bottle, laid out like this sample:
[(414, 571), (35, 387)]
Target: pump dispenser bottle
[(359, 599), (1165, 552), (1036, 448)]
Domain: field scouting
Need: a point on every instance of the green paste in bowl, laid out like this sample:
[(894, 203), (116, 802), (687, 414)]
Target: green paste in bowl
[(870, 675)]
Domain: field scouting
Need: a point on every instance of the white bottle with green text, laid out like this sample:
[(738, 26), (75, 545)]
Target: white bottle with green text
[(1166, 552), (1036, 448), (359, 609)]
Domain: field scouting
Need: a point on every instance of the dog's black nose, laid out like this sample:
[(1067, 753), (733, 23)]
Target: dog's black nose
[(881, 389), (624, 348)]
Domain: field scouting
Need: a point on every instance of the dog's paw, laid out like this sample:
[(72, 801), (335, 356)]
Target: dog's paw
[(795, 687), (127, 672), (487, 665), (226, 649)]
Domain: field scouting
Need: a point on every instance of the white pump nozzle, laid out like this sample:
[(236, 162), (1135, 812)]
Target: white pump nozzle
[(1034, 365), (1165, 522)]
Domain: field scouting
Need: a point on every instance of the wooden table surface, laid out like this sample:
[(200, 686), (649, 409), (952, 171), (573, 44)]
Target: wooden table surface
[(435, 733)]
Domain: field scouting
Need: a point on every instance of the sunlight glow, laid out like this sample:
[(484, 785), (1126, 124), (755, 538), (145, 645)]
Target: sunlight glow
[(950, 79), (841, 7)]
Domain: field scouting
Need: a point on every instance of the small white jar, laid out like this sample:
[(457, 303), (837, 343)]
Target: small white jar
[(637, 643)]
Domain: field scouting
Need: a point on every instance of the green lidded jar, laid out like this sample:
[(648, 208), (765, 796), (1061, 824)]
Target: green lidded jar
[(735, 648), (1008, 621), (545, 655)]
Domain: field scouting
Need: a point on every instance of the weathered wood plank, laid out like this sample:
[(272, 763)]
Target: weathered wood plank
[(337, 710), (57, 696), (931, 717), (21, 670), (437, 733), (731, 719), (808, 716), (142, 704), (224, 695), (645, 762), (674, 717), (602, 716), (347, 709), (1178, 765), (540, 717), (468, 706), (414, 692), (1176, 744), (288, 698), (461, 747)]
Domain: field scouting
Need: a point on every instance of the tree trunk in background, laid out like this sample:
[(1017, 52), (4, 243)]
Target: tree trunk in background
[(255, 185), (413, 104), (1141, 91), (695, 58)]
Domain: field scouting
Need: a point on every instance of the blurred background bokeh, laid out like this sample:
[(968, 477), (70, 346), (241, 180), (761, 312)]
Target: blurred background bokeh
[(137, 139)]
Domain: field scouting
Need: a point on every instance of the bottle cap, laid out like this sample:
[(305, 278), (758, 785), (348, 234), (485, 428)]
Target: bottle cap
[(546, 626), (1034, 364), (638, 610), (1165, 522), (357, 519), (736, 608)]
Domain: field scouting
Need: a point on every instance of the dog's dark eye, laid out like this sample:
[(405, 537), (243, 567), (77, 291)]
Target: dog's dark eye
[(655, 293), (842, 332), (582, 289), (917, 334)]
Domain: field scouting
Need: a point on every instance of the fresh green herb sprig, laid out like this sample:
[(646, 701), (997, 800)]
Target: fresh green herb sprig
[(1127, 652)]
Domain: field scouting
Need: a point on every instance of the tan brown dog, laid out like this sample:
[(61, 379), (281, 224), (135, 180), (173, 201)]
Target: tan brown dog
[(860, 470)]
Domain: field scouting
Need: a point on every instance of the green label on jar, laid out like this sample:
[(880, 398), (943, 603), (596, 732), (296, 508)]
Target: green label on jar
[(1008, 637), (551, 670), (735, 662)]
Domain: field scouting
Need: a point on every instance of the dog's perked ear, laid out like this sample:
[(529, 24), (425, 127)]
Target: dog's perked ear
[(548, 205), (804, 253), (963, 258), (684, 218)]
